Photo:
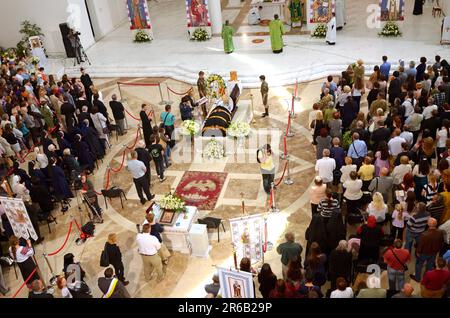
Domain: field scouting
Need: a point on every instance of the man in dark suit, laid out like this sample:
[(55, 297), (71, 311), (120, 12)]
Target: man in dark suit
[(68, 110), (395, 88), (382, 133), (144, 156), (87, 83), (111, 287), (118, 113), (146, 121)]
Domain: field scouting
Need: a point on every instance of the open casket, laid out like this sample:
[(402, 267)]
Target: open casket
[(217, 122)]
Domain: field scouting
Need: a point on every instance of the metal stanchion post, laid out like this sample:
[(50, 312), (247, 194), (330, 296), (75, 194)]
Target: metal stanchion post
[(290, 133), (284, 155), (292, 112), (273, 208), (168, 102), (288, 180), (253, 111), (162, 102)]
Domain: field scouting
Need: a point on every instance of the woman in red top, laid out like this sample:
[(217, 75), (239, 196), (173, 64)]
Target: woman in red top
[(434, 283)]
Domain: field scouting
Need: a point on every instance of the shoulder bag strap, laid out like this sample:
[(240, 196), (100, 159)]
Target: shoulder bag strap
[(353, 144), (396, 257), (164, 121)]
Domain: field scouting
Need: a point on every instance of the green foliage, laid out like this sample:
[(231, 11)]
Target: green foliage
[(347, 140), (200, 35), (141, 36), (320, 31)]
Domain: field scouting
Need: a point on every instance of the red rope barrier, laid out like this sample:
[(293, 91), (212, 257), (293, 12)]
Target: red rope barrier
[(131, 115), (271, 198), (65, 241), (288, 124), (282, 176), (24, 283), (296, 88), (181, 94), (135, 141), (138, 84), (121, 165), (285, 146), (265, 237)]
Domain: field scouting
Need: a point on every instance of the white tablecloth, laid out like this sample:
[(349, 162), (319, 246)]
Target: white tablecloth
[(181, 224)]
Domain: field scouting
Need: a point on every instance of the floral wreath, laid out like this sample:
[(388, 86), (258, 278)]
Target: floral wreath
[(209, 82)]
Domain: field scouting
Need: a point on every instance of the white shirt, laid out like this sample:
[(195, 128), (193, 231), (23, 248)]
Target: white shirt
[(399, 172), (346, 172), (325, 167), (380, 215), (353, 189), (441, 138), (427, 111), (395, 145), (147, 244), (408, 136), (22, 253), (347, 293), (409, 108), (399, 223)]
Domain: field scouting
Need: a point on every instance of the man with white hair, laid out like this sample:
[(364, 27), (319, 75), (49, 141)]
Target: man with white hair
[(373, 289), (118, 113), (325, 167)]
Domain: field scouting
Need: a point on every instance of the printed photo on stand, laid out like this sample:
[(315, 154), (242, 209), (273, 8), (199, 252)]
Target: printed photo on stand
[(235, 284)]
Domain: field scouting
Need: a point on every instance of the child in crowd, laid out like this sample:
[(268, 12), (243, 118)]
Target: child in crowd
[(349, 167), (157, 152), (399, 217)]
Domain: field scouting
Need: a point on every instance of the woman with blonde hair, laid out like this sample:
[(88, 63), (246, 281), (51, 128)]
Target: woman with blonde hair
[(431, 188), (23, 256), (115, 257), (317, 124), (377, 207)]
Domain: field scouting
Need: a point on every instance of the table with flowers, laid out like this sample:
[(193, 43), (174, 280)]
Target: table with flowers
[(176, 237)]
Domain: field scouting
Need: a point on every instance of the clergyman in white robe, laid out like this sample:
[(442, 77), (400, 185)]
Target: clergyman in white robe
[(341, 18), (331, 31), (253, 16)]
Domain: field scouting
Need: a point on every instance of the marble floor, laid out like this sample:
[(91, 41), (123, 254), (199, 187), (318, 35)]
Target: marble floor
[(186, 275), (171, 54)]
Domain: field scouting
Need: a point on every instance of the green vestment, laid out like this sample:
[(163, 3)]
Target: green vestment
[(276, 34), (295, 7), (227, 36)]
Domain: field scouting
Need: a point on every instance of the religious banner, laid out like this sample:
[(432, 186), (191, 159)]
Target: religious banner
[(247, 237), (17, 215), (445, 38), (138, 14), (37, 49), (235, 284), (392, 10), (320, 11), (197, 13)]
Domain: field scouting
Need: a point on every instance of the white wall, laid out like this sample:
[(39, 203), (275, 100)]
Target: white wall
[(106, 15), (47, 14), (445, 4)]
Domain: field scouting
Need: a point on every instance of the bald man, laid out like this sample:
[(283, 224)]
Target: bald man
[(383, 184), (407, 292), (430, 244)]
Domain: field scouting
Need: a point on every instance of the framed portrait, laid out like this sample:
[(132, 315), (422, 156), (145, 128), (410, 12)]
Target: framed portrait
[(234, 284), (35, 42), (167, 217)]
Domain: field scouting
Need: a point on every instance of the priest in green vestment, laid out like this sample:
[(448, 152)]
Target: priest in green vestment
[(295, 7), (276, 29), (227, 36)]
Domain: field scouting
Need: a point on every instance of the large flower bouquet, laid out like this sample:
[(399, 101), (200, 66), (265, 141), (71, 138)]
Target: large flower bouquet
[(215, 86), (33, 60), (141, 36), (200, 35), (214, 150), (238, 129), (190, 128), (390, 29), (320, 31), (172, 202)]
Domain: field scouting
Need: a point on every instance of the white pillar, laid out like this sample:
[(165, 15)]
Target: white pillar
[(215, 14)]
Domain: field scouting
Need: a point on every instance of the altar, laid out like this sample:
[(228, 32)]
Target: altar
[(269, 9), (176, 237)]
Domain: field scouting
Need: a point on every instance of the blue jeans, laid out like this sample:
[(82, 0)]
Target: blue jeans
[(396, 279), (420, 260), (410, 238)]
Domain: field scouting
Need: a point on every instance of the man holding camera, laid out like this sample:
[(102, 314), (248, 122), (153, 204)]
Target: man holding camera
[(76, 44)]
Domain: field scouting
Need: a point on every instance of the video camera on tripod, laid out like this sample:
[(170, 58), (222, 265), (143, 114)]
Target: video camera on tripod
[(75, 42)]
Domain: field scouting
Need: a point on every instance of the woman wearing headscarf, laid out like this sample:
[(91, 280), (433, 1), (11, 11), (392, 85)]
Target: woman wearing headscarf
[(370, 234), (19, 188)]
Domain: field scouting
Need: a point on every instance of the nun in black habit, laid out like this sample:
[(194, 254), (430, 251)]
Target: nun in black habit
[(61, 188), (85, 157), (336, 232), (90, 136), (316, 232)]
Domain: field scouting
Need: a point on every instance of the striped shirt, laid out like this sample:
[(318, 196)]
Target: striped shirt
[(430, 191), (436, 209), (326, 208), (418, 223)]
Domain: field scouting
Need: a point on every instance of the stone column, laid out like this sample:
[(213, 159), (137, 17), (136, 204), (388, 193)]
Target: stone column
[(215, 14)]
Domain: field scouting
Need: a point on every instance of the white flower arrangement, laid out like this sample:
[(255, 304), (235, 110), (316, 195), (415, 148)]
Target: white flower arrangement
[(390, 29), (33, 60), (141, 36), (172, 202), (190, 128), (320, 31), (214, 150), (200, 35), (238, 129)]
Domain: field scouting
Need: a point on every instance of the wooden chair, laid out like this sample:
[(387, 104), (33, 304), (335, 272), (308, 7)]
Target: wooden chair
[(114, 192)]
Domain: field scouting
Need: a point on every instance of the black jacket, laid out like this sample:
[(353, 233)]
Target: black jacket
[(117, 110)]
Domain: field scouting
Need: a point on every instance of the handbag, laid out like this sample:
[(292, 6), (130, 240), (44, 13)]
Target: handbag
[(405, 267), (104, 258)]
